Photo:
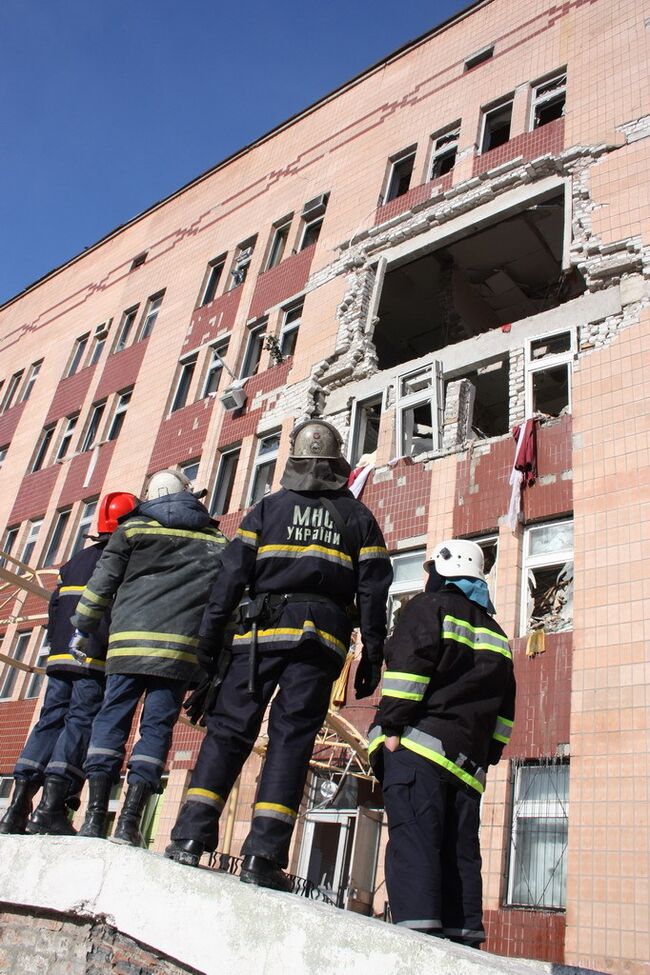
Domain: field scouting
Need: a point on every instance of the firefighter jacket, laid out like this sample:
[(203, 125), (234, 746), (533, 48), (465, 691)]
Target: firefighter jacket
[(449, 688), (70, 583), (288, 544), (156, 572)]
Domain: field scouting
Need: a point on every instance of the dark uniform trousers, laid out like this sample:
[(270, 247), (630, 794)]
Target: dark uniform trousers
[(304, 676), (433, 858), (162, 703), (58, 741)]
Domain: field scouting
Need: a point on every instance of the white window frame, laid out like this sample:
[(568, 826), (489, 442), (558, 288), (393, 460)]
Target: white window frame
[(129, 318), (358, 424), (54, 543), (543, 363), (392, 175), (539, 562), (406, 587), (99, 344), (150, 315), (305, 231), (531, 809), (66, 438), (490, 110), (263, 460), (278, 242), (42, 448), (11, 390), (217, 353), (545, 92), (31, 379), (86, 518), (184, 380), (89, 438), (9, 542), (31, 539), (491, 577), (255, 333), (120, 411), (79, 351), (214, 271), (290, 326), (191, 469), (241, 263), (441, 145), (432, 394), (21, 643), (225, 469), (36, 680), (3, 454)]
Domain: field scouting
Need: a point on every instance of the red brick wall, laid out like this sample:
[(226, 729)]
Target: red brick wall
[(543, 711), (34, 494), (15, 719), (401, 506), (552, 495), (525, 934), (75, 486), (237, 424), (8, 423), (547, 139), (213, 319), (70, 394), (181, 435), (281, 282), (121, 370), (417, 194)]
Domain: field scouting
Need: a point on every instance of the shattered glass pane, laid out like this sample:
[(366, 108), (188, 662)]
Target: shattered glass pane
[(550, 598), (551, 538), (417, 430)]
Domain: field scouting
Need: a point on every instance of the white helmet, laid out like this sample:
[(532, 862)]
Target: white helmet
[(457, 557), (167, 482)]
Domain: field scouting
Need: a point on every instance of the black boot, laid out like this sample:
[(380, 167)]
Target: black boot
[(99, 793), (188, 852), (51, 814), (18, 810), (128, 825), (264, 873)]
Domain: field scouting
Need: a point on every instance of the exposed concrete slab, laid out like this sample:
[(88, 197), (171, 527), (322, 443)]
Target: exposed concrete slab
[(211, 922)]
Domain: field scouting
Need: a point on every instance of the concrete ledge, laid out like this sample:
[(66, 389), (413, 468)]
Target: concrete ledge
[(211, 922)]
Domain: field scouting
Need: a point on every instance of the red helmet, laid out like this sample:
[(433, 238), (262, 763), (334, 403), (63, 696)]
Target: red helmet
[(113, 506)]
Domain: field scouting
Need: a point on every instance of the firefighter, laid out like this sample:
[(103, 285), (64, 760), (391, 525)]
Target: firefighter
[(55, 750), (304, 552), (446, 713), (157, 571)]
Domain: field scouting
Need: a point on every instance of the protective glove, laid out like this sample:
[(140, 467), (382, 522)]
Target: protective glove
[(194, 706), (77, 646), (207, 655), (367, 677)]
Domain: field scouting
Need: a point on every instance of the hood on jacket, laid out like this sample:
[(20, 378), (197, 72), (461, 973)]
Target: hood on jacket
[(180, 510), (315, 474)]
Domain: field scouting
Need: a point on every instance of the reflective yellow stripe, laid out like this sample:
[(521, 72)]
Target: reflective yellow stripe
[(92, 597), (400, 675), (293, 631), (151, 652), (206, 793), (68, 656), (176, 532), (306, 550), (375, 743), (160, 637), (65, 589), (246, 534), (439, 759), (371, 550), (276, 807), (91, 613)]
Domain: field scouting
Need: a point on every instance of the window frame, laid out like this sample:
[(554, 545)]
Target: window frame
[(4, 450), (217, 350), (188, 469), (77, 356), (544, 363), (307, 229), (544, 98), (278, 242), (440, 151), (11, 391), (84, 524), (262, 461), (120, 410), (9, 543), (42, 448), (85, 443), (36, 680), (290, 327), (520, 806), (410, 401), (490, 110), (212, 280), (183, 382), (11, 673), (404, 588), (241, 263), (31, 539), (54, 545), (66, 438), (224, 482), (358, 428), (544, 560), (393, 179), (256, 334), (34, 370), (150, 315), (100, 338), (125, 330)]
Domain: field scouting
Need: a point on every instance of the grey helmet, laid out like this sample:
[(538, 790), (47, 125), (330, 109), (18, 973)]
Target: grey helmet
[(317, 440)]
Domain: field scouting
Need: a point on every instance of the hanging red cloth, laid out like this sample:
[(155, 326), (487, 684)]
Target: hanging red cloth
[(526, 452)]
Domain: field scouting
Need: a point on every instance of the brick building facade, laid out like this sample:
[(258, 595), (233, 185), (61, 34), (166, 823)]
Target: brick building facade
[(452, 243)]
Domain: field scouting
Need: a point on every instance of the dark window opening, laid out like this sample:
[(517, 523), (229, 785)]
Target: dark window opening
[(42, 449), (500, 274), (139, 260), (549, 112), (311, 233), (444, 154), (278, 244), (366, 429), (551, 390), (496, 129), (480, 57), (549, 100), (400, 177), (183, 384), (253, 354), (490, 414), (212, 282), (225, 483)]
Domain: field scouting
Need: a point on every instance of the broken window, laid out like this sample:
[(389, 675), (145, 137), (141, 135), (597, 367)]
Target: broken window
[(445, 149), (547, 597), (419, 411), (548, 101), (507, 270), (548, 373), (490, 411), (539, 840), (242, 262), (409, 578), (496, 126), (399, 177), (365, 425), (264, 468)]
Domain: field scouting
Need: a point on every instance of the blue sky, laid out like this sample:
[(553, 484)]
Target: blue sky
[(106, 106)]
